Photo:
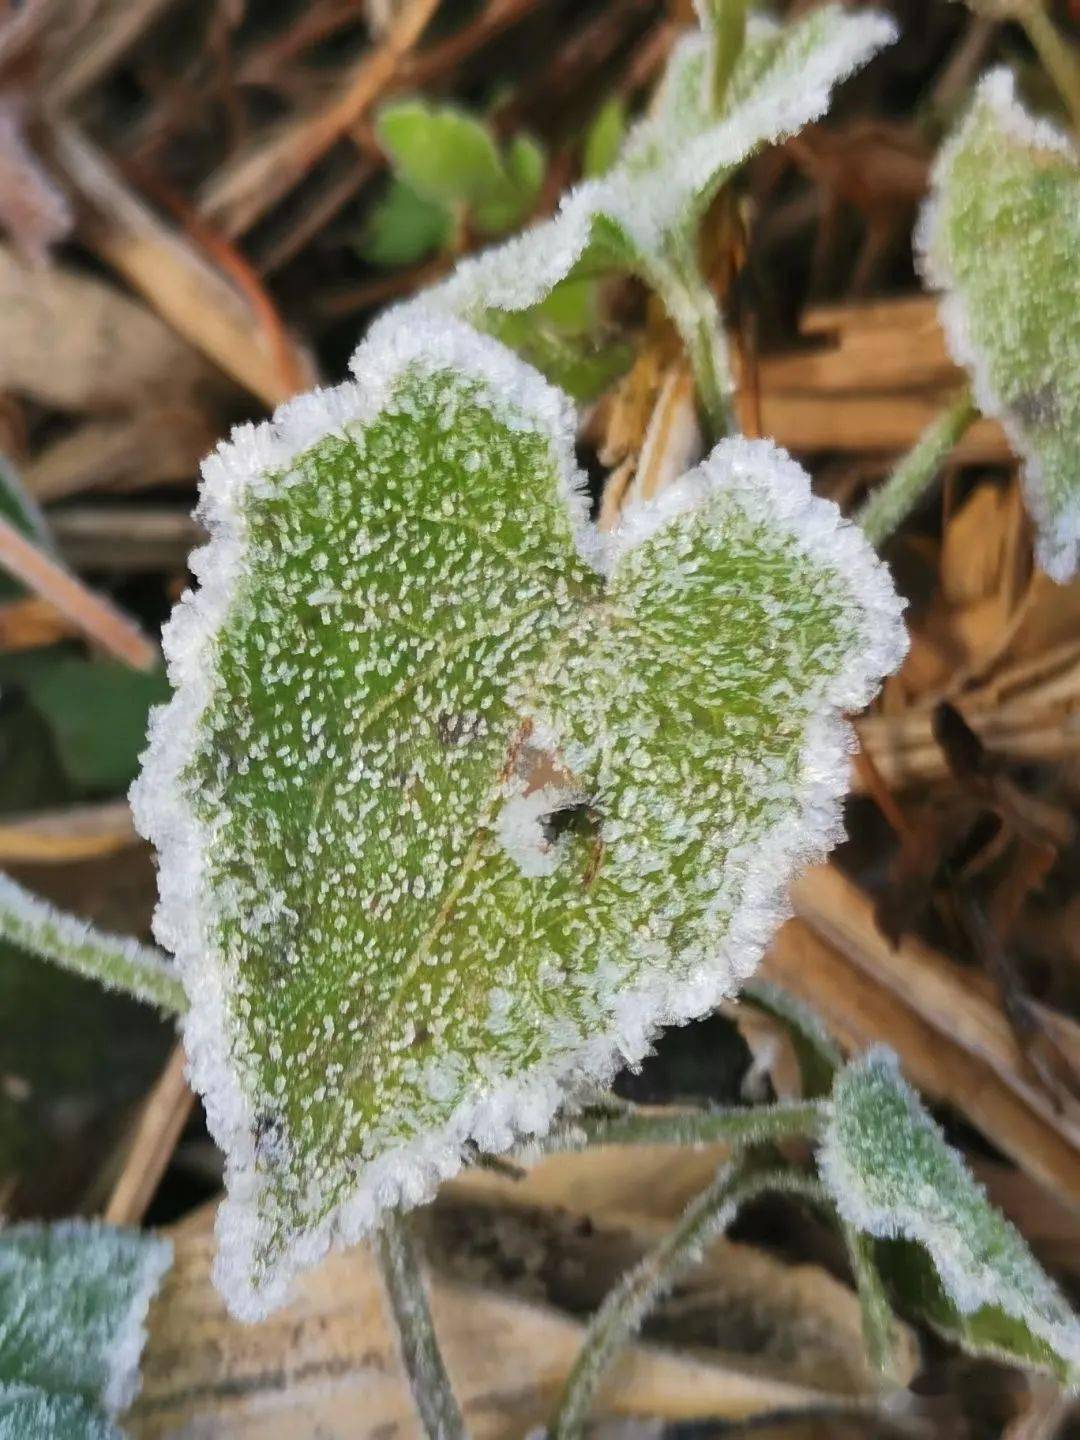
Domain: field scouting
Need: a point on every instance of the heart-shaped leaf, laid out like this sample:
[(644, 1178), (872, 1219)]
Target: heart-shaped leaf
[(73, 1304), (1000, 238), (642, 215), (458, 800), (893, 1177)]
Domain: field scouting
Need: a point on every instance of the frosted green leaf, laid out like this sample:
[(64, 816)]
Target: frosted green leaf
[(457, 799), (116, 961), (642, 214), (1000, 237), (26, 1412), (73, 1303), (892, 1176)]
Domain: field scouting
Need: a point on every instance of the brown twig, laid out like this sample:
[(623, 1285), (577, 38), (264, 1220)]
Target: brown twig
[(94, 617), (159, 1127)]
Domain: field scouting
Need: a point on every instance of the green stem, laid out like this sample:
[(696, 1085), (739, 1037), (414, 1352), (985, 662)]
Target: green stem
[(695, 314), (724, 22), (878, 1322), (626, 1306), (115, 961), (893, 501), (432, 1392), (736, 1125), (1058, 57)]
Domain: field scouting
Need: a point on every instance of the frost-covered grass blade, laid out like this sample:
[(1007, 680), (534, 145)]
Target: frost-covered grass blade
[(73, 1303), (458, 800), (1000, 238), (892, 1176)]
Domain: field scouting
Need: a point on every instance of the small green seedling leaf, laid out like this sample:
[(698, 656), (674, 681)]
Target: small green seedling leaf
[(1000, 238), (458, 799), (452, 159), (642, 215), (893, 1177), (73, 1303), (403, 227), (604, 138), (18, 507)]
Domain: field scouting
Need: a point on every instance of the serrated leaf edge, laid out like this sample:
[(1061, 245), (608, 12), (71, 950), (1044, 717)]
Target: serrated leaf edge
[(968, 1290), (769, 484), (1057, 535)]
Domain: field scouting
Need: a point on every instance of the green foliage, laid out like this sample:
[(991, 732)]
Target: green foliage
[(642, 215), (457, 798), (449, 159), (74, 1298), (96, 712), (957, 1260), (404, 227), (1000, 238), (604, 138)]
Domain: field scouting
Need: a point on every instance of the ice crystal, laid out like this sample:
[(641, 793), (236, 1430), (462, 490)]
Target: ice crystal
[(893, 1176), (457, 799), (642, 214), (1000, 238), (73, 1304)]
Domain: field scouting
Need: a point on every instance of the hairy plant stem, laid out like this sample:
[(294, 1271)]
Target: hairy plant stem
[(626, 1306), (1056, 53), (117, 962), (724, 22), (878, 1322), (694, 312), (432, 1392), (893, 501), (737, 1125)]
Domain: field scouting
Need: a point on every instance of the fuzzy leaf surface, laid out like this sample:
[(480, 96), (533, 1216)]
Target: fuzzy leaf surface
[(73, 1303), (1000, 238), (893, 1177), (458, 799), (25, 1412)]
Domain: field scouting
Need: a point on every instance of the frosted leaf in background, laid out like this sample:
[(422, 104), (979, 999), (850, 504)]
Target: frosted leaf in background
[(642, 214), (26, 1413), (1000, 237), (407, 630), (73, 1303), (892, 1176)]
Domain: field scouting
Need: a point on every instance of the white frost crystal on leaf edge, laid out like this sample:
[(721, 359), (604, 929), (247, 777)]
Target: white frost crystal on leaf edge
[(521, 272), (772, 489), (1058, 543), (969, 1283)]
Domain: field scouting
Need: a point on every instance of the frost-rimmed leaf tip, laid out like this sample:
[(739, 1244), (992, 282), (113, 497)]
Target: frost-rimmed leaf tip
[(407, 627), (1000, 237), (643, 212), (892, 1176)]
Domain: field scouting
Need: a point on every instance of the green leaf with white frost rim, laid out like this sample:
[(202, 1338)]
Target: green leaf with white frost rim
[(644, 212), (457, 799), (1000, 237), (892, 1176), (73, 1303)]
